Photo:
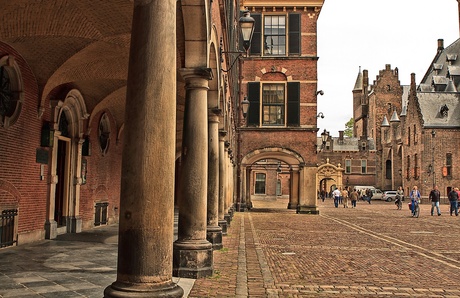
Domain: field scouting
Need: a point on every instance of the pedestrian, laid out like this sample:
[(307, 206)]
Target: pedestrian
[(354, 198), (336, 196), (400, 193), (414, 198), (323, 194), (453, 199), (369, 195), (344, 196), (435, 197)]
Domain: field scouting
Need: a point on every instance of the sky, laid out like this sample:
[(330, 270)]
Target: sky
[(370, 34)]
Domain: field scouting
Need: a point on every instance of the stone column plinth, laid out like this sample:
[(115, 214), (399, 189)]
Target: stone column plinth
[(145, 238), (192, 257)]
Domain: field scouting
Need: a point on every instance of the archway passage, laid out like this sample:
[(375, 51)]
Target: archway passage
[(269, 175)]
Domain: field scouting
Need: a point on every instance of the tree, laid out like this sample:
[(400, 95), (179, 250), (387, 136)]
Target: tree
[(349, 128)]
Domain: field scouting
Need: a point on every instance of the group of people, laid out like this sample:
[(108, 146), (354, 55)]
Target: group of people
[(344, 196), (435, 198)]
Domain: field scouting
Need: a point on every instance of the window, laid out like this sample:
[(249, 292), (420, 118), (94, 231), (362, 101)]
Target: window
[(415, 135), (11, 96), (104, 133), (363, 166), (273, 104), (388, 169), (260, 184), (279, 104), (415, 166), (408, 168), (277, 36), (408, 136), (347, 166), (449, 164)]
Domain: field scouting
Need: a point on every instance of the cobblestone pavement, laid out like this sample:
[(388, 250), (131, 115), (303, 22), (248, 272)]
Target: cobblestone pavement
[(371, 251), (374, 250)]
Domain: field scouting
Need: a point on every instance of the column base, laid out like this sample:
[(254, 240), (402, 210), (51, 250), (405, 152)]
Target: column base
[(214, 235), (223, 225), (292, 205), (228, 219), (51, 230), (192, 259), (240, 207), (144, 290), (75, 224), (303, 209)]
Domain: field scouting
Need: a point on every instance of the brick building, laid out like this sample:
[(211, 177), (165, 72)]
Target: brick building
[(279, 79)]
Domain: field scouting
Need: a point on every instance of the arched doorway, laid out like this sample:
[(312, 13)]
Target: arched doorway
[(65, 166), (329, 176), (268, 172)]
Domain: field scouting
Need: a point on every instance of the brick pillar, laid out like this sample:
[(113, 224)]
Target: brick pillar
[(192, 257), (147, 204), (214, 231)]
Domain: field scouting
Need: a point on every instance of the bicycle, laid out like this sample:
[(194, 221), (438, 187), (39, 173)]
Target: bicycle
[(416, 211)]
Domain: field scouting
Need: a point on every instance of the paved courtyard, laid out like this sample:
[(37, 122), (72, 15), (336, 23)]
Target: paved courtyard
[(371, 251)]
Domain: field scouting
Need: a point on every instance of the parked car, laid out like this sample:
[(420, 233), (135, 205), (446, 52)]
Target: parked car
[(389, 195), (377, 194)]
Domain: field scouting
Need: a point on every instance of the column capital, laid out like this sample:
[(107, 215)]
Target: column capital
[(198, 72), (222, 133)]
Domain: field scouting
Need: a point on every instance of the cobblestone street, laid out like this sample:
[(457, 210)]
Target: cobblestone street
[(374, 250)]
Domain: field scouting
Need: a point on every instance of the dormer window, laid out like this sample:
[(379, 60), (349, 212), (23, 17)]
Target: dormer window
[(451, 57), (444, 111)]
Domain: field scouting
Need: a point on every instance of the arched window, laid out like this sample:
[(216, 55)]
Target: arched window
[(104, 133), (10, 91)]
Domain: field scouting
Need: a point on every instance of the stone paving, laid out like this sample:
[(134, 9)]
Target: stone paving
[(371, 251)]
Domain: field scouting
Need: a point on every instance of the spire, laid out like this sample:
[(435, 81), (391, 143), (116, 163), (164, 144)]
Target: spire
[(385, 122), (450, 86), (359, 81), (394, 117)]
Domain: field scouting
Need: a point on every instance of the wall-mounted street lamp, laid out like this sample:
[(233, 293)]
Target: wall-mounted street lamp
[(278, 169), (320, 92), (320, 114), (246, 24), (324, 137), (245, 106)]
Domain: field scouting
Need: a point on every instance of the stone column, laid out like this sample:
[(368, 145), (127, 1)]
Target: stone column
[(308, 191), (222, 181), (214, 231), (228, 174), (147, 202), (192, 256), (294, 190)]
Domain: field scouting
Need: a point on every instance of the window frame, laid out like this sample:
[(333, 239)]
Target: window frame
[(264, 34), (264, 104), (363, 166), (257, 181)]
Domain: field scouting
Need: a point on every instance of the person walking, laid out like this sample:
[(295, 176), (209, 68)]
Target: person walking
[(354, 198), (414, 197), (336, 196), (345, 197), (323, 194), (435, 197), (453, 199)]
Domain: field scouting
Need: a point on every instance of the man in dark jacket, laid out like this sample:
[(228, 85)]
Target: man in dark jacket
[(453, 199), (435, 197)]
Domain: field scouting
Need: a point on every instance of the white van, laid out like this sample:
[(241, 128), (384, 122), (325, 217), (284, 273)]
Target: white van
[(376, 193)]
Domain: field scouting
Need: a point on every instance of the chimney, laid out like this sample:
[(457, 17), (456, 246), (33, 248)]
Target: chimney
[(440, 44), (340, 136)]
